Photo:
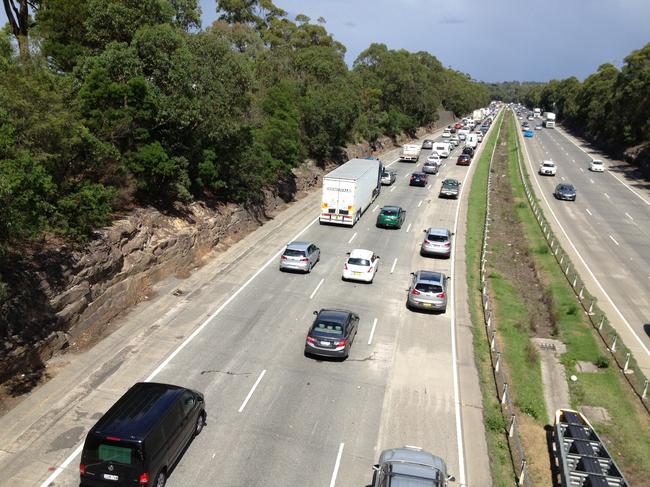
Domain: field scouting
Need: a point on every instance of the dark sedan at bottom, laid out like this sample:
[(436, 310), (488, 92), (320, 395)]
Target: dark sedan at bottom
[(565, 192), (332, 333)]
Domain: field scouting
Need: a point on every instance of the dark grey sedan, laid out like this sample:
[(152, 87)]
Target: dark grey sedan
[(332, 332), (565, 191), (408, 466)]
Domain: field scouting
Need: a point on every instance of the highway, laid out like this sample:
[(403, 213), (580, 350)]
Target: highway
[(609, 228), (237, 334)]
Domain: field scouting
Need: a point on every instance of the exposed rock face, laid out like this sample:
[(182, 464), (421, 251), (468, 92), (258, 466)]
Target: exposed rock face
[(58, 292)]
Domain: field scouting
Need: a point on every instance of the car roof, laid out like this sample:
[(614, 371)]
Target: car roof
[(418, 173), (137, 411), (450, 181), (438, 231), (298, 245), (429, 276), (548, 162), (361, 254), (391, 207), (336, 315)]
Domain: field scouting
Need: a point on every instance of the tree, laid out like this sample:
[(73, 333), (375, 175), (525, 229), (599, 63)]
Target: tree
[(19, 21)]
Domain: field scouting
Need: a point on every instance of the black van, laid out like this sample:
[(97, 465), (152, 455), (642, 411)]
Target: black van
[(139, 440)]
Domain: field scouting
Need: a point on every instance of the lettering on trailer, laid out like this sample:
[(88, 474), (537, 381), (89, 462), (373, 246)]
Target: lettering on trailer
[(341, 190)]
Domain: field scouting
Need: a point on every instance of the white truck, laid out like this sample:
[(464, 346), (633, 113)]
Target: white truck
[(478, 115), (537, 112), (471, 141), (349, 190), (443, 149), (411, 152), (549, 120)]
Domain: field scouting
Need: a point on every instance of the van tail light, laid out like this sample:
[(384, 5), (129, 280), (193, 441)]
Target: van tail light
[(415, 292), (82, 469), (440, 295), (144, 478)]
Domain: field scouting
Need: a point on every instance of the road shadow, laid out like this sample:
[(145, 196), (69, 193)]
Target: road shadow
[(550, 442), (646, 328)]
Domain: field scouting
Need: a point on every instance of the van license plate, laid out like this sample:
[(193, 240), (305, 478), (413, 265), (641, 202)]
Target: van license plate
[(108, 476)]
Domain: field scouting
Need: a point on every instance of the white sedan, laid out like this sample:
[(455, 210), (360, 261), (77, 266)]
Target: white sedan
[(434, 158), (361, 265), (597, 165)]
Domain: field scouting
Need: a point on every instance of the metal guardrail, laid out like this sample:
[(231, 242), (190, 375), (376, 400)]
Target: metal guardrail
[(517, 455), (621, 355)]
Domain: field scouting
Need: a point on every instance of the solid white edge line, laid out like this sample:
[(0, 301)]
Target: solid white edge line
[(614, 240), (561, 132), (372, 331), (352, 237), (313, 293), (337, 465), (393, 266), (408, 229), (582, 260), (169, 358), (250, 393)]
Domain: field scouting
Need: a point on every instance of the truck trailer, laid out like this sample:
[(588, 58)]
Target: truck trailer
[(410, 152), (349, 190), (549, 120)]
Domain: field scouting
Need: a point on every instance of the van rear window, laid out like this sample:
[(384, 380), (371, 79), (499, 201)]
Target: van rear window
[(116, 454)]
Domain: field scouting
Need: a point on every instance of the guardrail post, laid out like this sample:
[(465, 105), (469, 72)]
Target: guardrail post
[(613, 347), (591, 308), (505, 393), (627, 362), (580, 294), (511, 429), (562, 260), (489, 320), (566, 273), (493, 340), (497, 363), (645, 389), (602, 321), (522, 475), (575, 281)]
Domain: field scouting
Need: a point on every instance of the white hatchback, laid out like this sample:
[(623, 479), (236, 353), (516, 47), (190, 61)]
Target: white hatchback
[(434, 158), (597, 165), (360, 265)]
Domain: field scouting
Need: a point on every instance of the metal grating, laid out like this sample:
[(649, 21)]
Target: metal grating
[(582, 457)]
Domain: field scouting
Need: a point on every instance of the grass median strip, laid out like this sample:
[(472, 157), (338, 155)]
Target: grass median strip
[(500, 463)]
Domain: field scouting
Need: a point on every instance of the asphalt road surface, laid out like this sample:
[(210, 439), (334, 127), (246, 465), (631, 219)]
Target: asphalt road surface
[(609, 227), (236, 332)]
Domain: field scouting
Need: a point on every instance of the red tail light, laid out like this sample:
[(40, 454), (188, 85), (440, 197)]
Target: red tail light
[(310, 340), (82, 469), (340, 343), (144, 478), (440, 295), (415, 292), (304, 259), (284, 257), (370, 269), (447, 244), (113, 438), (426, 242), (345, 266)]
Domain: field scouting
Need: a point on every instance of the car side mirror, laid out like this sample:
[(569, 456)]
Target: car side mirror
[(347, 253), (375, 468), (453, 233), (315, 312), (448, 278), (451, 478)]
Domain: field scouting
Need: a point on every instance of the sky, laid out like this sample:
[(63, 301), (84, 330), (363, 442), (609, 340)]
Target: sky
[(492, 40)]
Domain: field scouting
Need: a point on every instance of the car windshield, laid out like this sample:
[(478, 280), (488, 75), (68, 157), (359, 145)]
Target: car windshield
[(327, 328), (424, 287), (294, 253), (389, 212), (356, 261), (597, 163), (450, 183), (548, 164)]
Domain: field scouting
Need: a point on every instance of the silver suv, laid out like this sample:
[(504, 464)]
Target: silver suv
[(428, 291), (299, 256), (436, 242), (408, 466)]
